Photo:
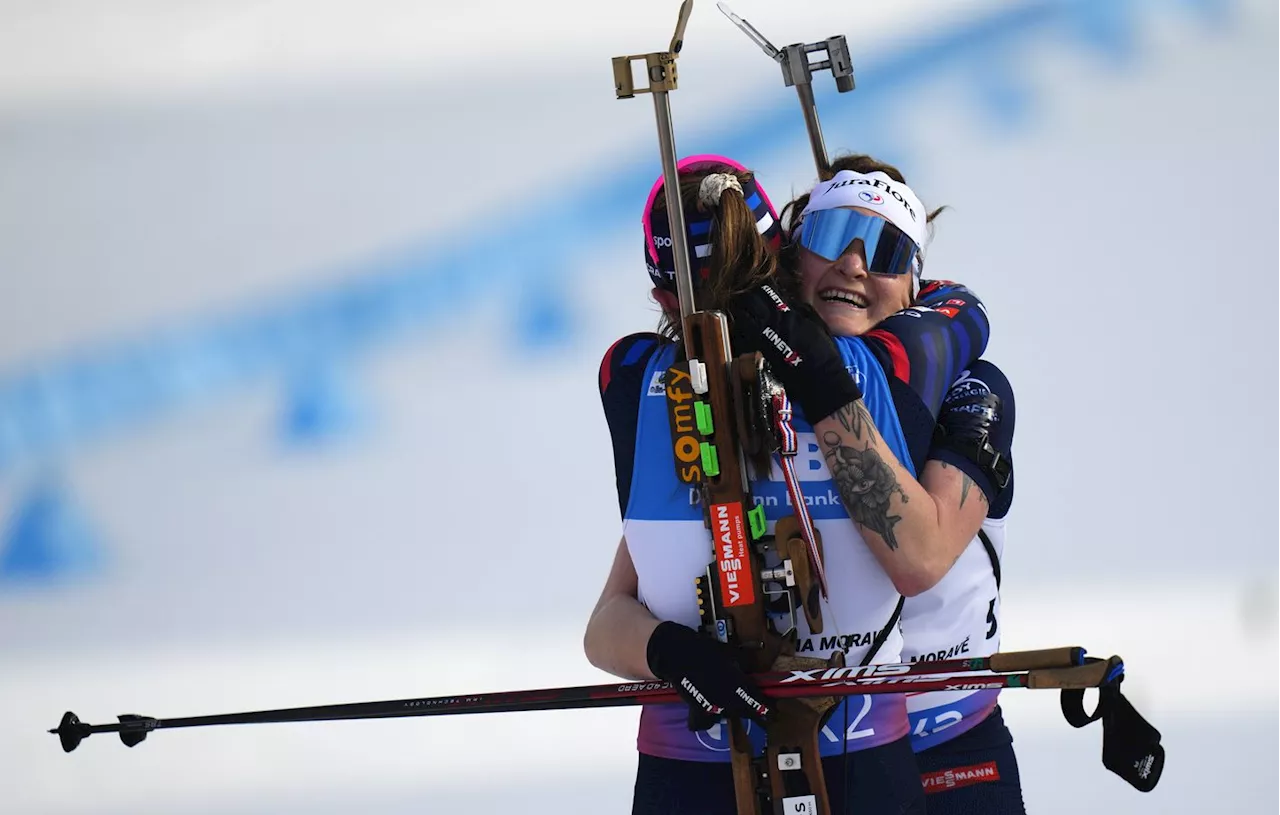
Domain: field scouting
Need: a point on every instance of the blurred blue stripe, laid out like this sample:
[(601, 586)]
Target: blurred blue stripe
[(59, 403)]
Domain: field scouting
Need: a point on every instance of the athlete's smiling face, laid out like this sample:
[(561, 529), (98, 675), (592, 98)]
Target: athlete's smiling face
[(848, 298)]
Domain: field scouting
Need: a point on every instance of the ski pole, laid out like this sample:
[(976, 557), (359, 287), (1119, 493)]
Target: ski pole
[(835, 681)]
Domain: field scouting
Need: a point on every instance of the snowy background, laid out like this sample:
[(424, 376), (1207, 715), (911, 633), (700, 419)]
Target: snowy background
[(301, 304)]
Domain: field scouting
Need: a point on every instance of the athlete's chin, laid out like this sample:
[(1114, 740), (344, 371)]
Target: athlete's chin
[(845, 321)]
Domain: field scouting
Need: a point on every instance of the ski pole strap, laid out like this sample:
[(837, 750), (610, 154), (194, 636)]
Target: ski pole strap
[(787, 440), (995, 465), (884, 633), (1073, 699), (991, 554), (1130, 745)]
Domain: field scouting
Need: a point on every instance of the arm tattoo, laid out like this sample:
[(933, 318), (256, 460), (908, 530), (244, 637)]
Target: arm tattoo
[(854, 418), (865, 483), (965, 485)]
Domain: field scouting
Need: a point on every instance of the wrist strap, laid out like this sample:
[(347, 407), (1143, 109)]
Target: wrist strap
[(993, 464)]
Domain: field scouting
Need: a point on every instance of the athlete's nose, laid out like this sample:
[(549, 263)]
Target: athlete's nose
[(851, 263)]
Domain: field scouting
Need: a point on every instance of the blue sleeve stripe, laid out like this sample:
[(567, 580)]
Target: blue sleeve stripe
[(637, 352)]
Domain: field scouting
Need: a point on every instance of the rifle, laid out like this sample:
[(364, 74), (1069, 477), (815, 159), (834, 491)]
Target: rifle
[(797, 72), (735, 412)]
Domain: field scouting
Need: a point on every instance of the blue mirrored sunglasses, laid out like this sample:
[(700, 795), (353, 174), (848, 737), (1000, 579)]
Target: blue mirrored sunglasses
[(829, 233)]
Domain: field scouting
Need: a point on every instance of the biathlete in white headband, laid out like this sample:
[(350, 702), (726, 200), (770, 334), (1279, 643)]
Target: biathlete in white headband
[(855, 251), (644, 623)]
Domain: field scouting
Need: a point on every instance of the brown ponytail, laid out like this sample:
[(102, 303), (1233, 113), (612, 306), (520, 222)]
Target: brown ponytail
[(740, 257)]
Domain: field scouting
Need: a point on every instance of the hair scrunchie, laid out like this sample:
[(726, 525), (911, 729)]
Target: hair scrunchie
[(714, 185)]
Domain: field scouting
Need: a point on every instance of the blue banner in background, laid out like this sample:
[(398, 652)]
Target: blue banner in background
[(313, 341), (47, 538)]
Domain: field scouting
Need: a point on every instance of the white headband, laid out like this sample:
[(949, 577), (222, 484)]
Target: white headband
[(875, 191)]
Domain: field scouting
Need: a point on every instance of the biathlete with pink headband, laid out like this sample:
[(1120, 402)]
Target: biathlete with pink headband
[(644, 623)]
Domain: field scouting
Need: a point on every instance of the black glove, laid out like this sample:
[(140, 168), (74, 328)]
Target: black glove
[(799, 349), (706, 675), (969, 412)]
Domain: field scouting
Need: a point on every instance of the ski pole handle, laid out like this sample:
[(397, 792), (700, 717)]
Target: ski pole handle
[(1030, 660)]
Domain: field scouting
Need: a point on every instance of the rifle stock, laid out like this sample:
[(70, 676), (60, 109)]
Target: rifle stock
[(733, 597)]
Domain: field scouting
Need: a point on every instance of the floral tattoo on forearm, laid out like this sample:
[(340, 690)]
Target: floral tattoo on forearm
[(865, 482)]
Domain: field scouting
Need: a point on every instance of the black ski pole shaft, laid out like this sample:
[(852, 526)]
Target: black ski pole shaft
[(134, 728)]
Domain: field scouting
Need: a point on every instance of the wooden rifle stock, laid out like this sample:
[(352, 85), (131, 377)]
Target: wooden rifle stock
[(733, 596)]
